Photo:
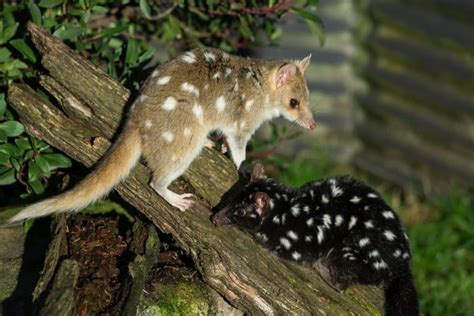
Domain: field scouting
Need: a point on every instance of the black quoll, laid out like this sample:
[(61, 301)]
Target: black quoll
[(339, 226)]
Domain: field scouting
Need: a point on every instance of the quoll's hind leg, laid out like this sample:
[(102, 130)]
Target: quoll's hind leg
[(171, 163), (341, 268)]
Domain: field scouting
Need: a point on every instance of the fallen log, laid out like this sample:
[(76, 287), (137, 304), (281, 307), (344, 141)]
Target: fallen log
[(81, 120)]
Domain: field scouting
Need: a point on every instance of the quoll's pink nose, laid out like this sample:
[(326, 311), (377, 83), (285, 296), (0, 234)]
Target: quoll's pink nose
[(312, 124)]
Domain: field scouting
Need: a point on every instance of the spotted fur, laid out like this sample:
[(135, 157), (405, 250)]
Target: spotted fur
[(342, 239)]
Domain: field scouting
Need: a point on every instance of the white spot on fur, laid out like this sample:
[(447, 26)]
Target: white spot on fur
[(271, 204), (190, 88), (406, 255), (374, 253), (276, 219), (243, 124), (249, 104), (380, 265), (336, 191), (388, 214), (227, 72), (163, 80), (173, 158), (372, 195), (389, 235), (295, 210), (296, 255), (236, 86), (320, 235), (364, 242), (206, 86), (308, 238), (168, 136), (283, 219), (220, 104), (355, 199), (209, 56), (285, 243), (198, 112), (324, 199), (148, 124), (155, 73), (143, 98), (292, 235), (187, 132), (310, 222), (339, 220), (277, 195), (216, 75), (369, 224), (397, 253), (169, 104), (327, 220), (306, 209), (352, 222), (189, 57)]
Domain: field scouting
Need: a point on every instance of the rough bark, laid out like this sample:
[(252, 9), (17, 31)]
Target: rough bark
[(230, 261)]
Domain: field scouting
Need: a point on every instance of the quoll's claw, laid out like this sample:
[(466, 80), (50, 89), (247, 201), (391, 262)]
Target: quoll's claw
[(183, 201), (209, 143)]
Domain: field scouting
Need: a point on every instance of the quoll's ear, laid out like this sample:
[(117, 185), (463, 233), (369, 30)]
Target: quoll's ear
[(261, 201), (284, 74), (258, 172), (303, 63)]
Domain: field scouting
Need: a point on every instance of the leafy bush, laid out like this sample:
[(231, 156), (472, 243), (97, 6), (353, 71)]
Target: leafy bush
[(117, 36)]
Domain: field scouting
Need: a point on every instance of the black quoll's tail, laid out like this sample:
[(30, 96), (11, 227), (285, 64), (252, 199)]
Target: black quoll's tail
[(401, 298)]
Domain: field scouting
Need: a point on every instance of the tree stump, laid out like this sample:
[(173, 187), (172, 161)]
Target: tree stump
[(81, 120)]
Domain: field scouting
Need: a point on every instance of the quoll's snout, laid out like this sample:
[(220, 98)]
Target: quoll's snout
[(220, 218)]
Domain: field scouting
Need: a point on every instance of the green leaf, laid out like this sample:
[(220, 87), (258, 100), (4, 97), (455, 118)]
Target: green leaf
[(145, 7), (15, 163), (34, 172), (8, 33), (100, 9), (23, 143), (43, 163), (3, 136), (7, 177), (132, 52), (4, 158), (3, 104), (57, 161), (25, 50), (9, 149), (49, 3), (245, 29), (12, 128), (105, 207), (68, 33), (37, 187), (35, 12), (4, 54), (314, 22)]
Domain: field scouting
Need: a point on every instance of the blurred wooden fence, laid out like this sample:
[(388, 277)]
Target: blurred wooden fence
[(418, 123)]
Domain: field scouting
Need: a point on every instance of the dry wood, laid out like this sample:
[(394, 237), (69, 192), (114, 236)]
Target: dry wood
[(229, 260)]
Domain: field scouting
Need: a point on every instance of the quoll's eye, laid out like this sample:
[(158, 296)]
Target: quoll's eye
[(294, 103)]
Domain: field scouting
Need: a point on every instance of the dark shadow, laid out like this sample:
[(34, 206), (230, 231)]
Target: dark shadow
[(36, 245)]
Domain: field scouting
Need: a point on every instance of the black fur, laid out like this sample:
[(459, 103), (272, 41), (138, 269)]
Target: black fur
[(339, 226)]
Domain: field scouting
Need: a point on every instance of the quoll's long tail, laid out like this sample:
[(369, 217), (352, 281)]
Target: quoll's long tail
[(115, 166), (401, 298)]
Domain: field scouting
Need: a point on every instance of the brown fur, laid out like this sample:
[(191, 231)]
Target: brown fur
[(171, 134)]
